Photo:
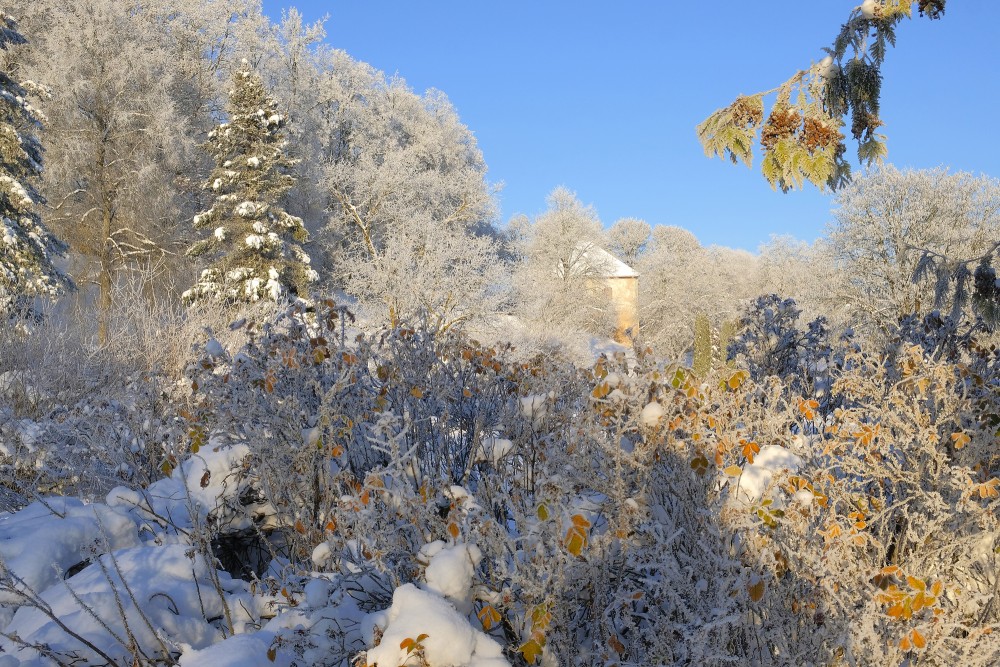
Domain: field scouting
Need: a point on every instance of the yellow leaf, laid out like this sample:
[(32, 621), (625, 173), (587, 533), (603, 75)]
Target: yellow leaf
[(467, 393), (272, 653), (916, 584), (960, 439), (601, 390), (167, 468), (531, 650), (733, 470), (417, 392), (737, 379), (542, 512)]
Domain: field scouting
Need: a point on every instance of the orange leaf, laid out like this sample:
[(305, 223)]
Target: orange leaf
[(489, 617), (580, 520), (960, 439), (331, 525), (299, 527), (407, 644), (601, 390), (576, 540), (756, 589), (453, 530), (417, 392), (919, 642)]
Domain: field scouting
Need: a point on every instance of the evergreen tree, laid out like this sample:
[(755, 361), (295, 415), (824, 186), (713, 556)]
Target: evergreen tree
[(255, 247), (27, 248)]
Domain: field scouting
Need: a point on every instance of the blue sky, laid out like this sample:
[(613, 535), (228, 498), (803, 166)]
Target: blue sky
[(603, 97)]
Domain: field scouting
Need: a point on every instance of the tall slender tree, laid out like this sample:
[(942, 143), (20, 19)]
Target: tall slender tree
[(255, 246), (27, 248)]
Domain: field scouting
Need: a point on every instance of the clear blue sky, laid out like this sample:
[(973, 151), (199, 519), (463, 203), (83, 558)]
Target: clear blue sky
[(603, 97)]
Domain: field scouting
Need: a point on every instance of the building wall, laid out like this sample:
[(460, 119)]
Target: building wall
[(625, 297)]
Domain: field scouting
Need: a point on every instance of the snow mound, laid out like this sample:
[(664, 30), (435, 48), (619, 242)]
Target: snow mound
[(450, 642), (165, 597), (41, 542), (450, 570), (239, 651)]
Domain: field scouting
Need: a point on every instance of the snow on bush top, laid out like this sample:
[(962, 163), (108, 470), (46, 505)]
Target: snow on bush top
[(448, 639)]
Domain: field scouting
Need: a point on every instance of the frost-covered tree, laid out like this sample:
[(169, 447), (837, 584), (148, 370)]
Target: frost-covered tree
[(406, 187), (27, 248), (888, 219), (557, 281), (627, 239), (681, 281), (255, 246), (395, 159), (450, 280), (115, 141)]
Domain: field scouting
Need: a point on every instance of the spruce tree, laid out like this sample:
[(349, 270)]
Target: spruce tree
[(255, 246), (27, 248)]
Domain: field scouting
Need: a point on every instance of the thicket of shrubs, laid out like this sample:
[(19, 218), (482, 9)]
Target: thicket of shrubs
[(810, 502)]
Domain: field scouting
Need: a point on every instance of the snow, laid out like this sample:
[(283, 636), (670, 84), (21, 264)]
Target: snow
[(209, 483), (534, 407), (450, 642), (247, 209), (239, 651), (493, 450), (450, 570), (651, 414), (177, 594), (600, 259), (757, 476), (40, 543), (214, 348)]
